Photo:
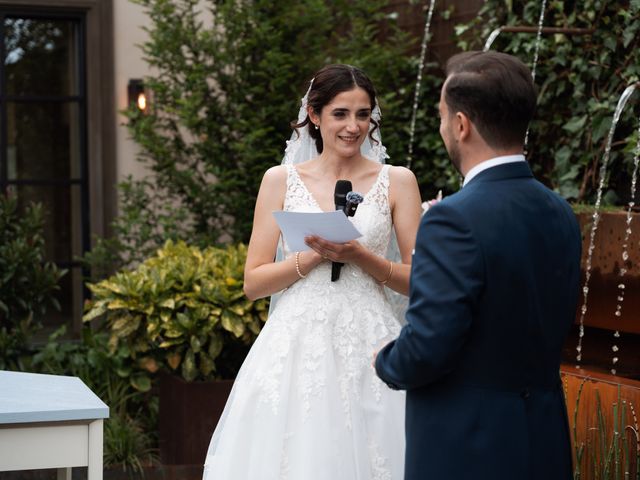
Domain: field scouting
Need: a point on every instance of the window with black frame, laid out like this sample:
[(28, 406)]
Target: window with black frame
[(43, 154)]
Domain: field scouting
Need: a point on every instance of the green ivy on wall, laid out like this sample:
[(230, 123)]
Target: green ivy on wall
[(580, 79)]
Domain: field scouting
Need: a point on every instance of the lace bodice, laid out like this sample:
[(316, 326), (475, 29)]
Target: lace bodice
[(372, 218)]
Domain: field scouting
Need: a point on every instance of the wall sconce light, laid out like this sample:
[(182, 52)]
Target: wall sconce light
[(137, 95)]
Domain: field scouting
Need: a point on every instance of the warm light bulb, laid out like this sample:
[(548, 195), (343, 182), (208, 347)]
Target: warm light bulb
[(142, 101)]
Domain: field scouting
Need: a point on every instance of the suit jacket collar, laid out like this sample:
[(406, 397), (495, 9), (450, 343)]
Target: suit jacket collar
[(502, 172)]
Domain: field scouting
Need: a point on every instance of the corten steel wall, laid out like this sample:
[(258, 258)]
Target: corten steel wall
[(411, 18)]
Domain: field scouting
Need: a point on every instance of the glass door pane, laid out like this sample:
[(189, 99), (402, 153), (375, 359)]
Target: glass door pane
[(62, 221), (40, 57), (43, 136), (43, 141)]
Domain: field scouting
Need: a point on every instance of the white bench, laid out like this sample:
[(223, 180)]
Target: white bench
[(50, 421)]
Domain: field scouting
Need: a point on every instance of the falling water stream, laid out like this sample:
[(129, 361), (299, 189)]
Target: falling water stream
[(538, 40), (535, 59), (594, 227), (492, 36), (625, 251), (416, 96)]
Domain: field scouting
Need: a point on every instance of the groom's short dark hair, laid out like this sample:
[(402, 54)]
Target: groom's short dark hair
[(495, 91)]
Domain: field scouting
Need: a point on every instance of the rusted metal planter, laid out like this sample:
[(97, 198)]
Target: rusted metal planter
[(189, 413), (605, 272), (602, 412)]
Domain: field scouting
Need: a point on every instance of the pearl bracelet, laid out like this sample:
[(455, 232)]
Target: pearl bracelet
[(298, 266)]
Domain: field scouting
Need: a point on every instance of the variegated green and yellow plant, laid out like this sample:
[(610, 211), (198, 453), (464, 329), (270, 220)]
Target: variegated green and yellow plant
[(180, 309)]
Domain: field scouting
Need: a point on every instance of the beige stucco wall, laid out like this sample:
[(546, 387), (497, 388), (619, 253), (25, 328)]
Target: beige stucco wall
[(128, 20)]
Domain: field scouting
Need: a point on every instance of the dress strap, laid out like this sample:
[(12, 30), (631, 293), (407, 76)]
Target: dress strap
[(384, 174), (291, 173), (379, 193), (383, 179), (297, 196)]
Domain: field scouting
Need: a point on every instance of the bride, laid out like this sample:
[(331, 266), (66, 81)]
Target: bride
[(306, 404)]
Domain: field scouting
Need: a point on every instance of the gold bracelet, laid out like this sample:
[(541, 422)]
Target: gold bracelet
[(298, 266), (383, 282)]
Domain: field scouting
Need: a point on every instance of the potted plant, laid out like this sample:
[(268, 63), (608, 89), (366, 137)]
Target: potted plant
[(182, 312)]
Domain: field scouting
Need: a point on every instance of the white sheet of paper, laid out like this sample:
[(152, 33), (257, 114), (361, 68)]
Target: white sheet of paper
[(333, 226)]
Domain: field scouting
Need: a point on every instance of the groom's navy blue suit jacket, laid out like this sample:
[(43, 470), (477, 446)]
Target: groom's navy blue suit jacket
[(494, 287)]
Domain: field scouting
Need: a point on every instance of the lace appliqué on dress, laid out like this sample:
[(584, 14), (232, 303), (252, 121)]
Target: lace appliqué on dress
[(379, 467)]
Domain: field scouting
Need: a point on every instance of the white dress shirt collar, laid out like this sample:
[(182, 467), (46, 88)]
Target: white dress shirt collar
[(493, 162)]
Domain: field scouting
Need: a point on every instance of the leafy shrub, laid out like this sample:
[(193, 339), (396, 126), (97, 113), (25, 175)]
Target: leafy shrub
[(182, 309), (580, 79), (28, 284)]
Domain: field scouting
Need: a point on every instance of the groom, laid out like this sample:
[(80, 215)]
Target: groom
[(494, 286)]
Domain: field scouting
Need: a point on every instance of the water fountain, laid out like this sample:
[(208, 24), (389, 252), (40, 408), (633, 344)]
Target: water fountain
[(594, 227), (625, 251), (595, 399)]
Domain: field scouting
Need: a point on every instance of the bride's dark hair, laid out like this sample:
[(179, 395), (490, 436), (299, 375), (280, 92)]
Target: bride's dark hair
[(329, 82)]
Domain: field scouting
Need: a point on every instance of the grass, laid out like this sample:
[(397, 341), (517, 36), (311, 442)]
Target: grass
[(612, 450)]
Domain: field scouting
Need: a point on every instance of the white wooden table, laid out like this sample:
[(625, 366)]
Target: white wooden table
[(50, 421)]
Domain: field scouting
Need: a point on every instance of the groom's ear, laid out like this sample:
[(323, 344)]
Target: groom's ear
[(462, 126)]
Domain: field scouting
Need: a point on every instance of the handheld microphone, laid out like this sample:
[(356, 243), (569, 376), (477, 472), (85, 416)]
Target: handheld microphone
[(343, 187)]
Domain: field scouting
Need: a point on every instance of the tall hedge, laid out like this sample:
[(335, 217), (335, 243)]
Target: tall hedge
[(229, 80)]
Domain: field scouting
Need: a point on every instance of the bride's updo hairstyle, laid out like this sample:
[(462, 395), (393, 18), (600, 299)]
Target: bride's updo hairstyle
[(330, 81)]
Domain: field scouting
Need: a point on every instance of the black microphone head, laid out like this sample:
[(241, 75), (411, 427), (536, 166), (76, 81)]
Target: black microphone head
[(340, 194)]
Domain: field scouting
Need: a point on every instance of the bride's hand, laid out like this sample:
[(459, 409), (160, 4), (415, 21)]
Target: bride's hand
[(348, 252)]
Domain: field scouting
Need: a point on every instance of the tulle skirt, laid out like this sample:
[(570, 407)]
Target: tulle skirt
[(307, 404)]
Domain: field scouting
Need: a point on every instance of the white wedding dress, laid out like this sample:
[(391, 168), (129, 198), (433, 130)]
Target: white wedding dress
[(307, 404)]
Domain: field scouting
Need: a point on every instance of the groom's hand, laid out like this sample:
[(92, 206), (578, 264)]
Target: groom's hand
[(376, 352), (392, 386)]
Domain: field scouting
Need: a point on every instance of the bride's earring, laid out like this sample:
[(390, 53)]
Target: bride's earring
[(317, 127)]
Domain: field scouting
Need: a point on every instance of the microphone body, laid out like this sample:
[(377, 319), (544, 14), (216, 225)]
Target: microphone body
[(343, 187), (347, 201)]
